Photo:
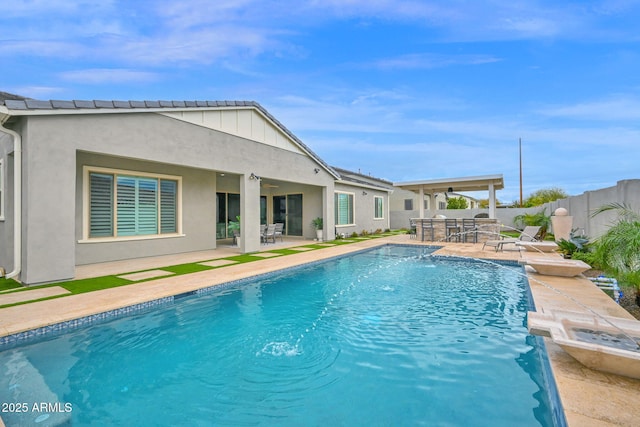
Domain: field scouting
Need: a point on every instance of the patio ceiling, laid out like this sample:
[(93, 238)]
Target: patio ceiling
[(472, 183)]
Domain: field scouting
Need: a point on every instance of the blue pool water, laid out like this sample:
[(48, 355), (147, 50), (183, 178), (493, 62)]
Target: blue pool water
[(386, 337)]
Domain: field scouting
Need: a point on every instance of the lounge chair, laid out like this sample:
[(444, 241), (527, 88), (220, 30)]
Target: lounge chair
[(527, 235)]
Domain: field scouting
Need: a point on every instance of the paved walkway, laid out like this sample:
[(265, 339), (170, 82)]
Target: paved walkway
[(589, 398)]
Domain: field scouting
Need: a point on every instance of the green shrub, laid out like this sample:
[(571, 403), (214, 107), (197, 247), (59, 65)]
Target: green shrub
[(617, 249), (589, 258)]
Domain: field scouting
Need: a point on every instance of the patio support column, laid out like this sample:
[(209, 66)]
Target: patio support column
[(249, 214), (328, 213), (421, 201), (492, 201)]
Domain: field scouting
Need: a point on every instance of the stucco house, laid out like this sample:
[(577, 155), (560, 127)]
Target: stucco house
[(85, 182), (370, 197)]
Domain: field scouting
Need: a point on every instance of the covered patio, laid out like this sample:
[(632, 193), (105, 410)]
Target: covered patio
[(490, 183), (432, 227)]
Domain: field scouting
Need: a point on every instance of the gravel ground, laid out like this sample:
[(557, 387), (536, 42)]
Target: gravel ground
[(628, 302)]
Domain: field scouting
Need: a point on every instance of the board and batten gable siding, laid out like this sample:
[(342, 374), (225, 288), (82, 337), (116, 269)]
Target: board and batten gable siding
[(246, 123)]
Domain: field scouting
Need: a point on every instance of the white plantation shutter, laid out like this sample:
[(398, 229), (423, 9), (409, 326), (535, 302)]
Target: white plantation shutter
[(101, 205), (168, 206), (147, 206), (126, 196)]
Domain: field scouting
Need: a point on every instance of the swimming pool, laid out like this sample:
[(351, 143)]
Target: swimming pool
[(390, 336)]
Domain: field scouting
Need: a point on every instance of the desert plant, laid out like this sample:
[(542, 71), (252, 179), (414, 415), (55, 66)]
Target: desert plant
[(574, 244)]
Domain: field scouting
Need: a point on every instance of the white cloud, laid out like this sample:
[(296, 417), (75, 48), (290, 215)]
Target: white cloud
[(107, 75), (613, 109), (37, 92), (429, 60), (201, 31)]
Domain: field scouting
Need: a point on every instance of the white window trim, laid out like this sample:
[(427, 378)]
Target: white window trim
[(86, 170), (374, 207), (353, 195)]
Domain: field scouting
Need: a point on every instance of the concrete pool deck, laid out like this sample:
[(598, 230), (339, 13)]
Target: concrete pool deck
[(589, 398)]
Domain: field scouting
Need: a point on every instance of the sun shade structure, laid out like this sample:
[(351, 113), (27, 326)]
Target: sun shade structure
[(489, 183)]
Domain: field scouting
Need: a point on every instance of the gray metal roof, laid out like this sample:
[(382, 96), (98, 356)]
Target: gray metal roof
[(368, 180), (24, 104), (6, 95)]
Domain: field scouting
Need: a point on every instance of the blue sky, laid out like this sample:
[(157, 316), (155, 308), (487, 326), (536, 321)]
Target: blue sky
[(403, 90)]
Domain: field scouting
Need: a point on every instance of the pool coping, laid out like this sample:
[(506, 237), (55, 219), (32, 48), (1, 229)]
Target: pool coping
[(581, 389)]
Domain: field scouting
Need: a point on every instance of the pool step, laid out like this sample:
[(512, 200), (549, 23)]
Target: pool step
[(33, 401)]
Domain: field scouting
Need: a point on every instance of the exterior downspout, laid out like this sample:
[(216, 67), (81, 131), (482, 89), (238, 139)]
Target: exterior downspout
[(17, 202)]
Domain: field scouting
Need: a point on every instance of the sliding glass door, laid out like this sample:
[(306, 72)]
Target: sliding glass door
[(228, 209), (287, 209)]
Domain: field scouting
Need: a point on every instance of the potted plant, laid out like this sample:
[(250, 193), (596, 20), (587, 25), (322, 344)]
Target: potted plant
[(234, 229), (317, 225)]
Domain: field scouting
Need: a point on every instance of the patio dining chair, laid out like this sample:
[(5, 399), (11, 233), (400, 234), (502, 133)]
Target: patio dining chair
[(412, 228), (263, 230), (279, 231), (452, 229), (270, 233), (427, 225), (469, 229)]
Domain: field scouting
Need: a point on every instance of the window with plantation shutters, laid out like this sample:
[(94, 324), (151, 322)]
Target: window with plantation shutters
[(123, 205), (378, 207), (344, 208)]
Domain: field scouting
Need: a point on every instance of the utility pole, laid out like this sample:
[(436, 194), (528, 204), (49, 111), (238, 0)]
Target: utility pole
[(520, 149)]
